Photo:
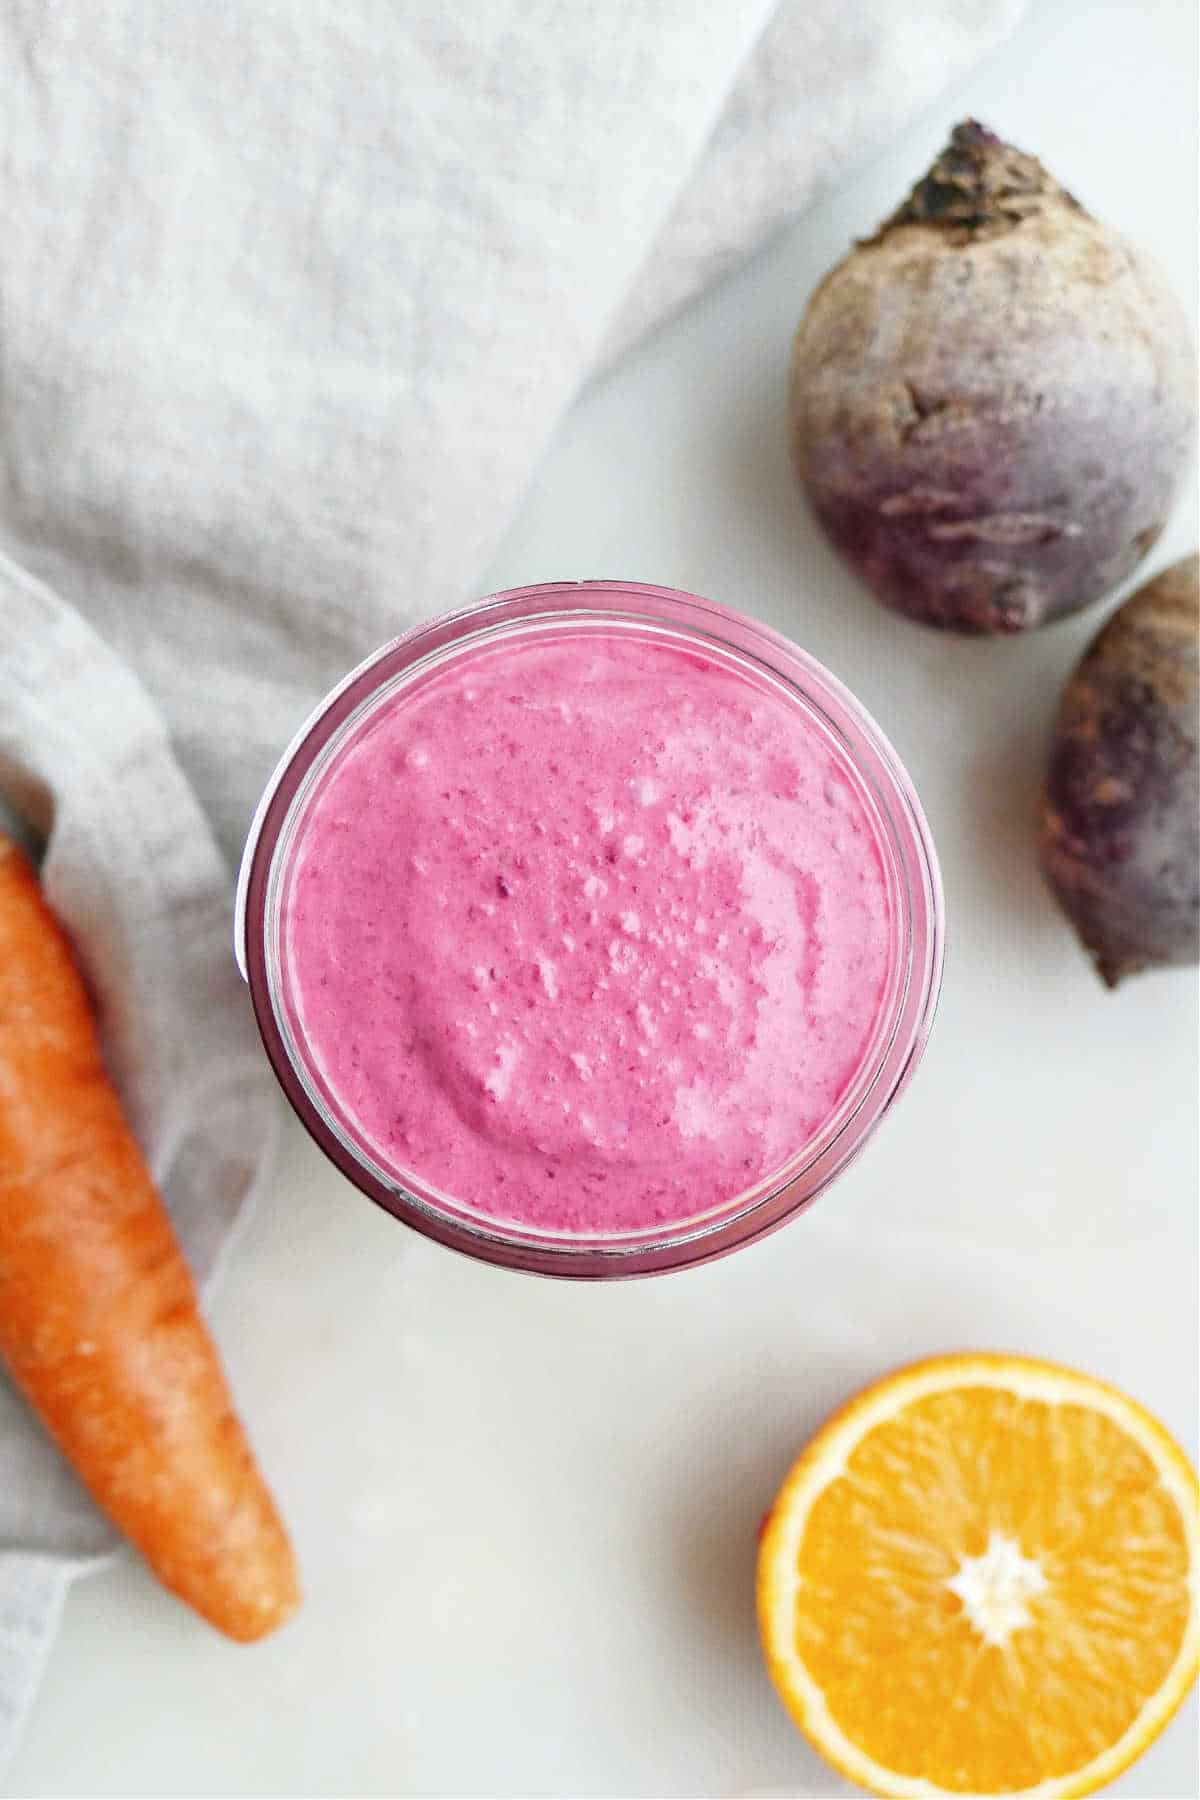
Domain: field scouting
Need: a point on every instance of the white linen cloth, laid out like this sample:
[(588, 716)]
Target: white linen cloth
[(291, 300), (133, 870)]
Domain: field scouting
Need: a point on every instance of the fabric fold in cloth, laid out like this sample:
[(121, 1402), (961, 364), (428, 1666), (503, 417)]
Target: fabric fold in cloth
[(132, 870), (824, 87), (291, 302)]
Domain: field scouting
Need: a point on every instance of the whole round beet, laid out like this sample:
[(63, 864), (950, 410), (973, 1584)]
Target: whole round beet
[(993, 398), (1120, 822)]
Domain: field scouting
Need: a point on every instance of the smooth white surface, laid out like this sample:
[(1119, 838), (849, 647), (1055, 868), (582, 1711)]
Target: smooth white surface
[(527, 1511)]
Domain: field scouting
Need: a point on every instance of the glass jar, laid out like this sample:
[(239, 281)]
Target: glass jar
[(548, 612)]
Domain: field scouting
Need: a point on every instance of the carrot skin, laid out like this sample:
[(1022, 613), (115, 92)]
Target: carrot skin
[(100, 1324)]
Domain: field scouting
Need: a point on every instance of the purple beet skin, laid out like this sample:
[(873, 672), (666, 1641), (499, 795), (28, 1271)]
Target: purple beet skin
[(1120, 824), (993, 398)]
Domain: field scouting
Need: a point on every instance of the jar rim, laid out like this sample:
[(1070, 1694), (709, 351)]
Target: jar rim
[(895, 1049)]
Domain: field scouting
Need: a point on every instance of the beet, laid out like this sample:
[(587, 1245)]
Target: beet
[(993, 398), (1120, 817)]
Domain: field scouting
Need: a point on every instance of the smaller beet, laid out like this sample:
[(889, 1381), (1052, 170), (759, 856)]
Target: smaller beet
[(1120, 818)]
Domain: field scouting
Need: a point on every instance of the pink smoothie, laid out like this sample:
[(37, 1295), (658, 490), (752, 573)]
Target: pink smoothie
[(588, 934)]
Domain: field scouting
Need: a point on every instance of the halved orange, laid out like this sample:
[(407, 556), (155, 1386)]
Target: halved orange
[(981, 1578)]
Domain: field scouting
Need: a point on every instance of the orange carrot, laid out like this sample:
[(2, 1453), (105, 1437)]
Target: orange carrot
[(99, 1323)]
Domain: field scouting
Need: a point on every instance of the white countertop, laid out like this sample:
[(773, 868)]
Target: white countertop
[(527, 1510)]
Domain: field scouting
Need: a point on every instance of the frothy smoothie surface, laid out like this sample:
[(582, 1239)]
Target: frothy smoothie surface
[(589, 933)]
